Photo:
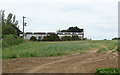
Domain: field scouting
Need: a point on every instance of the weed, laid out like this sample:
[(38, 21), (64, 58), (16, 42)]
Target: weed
[(101, 50)]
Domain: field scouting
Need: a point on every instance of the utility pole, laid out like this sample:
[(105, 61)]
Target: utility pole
[(23, 26)]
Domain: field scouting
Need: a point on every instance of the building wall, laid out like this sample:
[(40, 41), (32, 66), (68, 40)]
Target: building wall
[(27, 36)]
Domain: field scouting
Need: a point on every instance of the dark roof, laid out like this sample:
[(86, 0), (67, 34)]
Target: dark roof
[(39, 33), (59, 33), (16, 28), (51, 33), (29, 33)]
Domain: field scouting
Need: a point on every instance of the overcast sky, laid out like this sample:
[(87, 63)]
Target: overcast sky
[(99, 18)]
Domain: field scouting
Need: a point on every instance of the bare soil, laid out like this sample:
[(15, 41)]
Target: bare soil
[(76, 63)]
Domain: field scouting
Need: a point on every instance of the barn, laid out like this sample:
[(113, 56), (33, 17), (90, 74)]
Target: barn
[(40, 35)]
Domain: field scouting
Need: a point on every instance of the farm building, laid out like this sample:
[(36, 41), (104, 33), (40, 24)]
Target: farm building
[(40, 35)]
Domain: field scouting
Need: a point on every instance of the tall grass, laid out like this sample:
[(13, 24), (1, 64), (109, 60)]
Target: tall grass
[(46, 49)]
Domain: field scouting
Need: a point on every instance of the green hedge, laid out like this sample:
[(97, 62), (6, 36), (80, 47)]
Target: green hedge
[(107, 71)]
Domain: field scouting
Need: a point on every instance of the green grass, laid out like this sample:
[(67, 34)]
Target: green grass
[(46, 49), (101, 50)]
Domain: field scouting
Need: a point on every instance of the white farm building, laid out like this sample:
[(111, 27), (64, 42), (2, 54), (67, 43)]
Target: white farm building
[(40, 35)]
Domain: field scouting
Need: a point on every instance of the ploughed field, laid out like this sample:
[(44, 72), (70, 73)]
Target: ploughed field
[(60, 57)]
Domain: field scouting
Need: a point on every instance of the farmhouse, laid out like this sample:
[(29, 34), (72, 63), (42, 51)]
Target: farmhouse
[(40, 35)]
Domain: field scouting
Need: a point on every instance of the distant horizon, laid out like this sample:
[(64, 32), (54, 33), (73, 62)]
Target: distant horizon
[(99, 19)]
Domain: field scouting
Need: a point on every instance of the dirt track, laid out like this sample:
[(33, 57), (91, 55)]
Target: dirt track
[(76, 63)]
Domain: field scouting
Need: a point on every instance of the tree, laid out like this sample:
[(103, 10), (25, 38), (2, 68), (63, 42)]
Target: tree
[(8, 30), (3, 17), (73, 29), (9, 24)]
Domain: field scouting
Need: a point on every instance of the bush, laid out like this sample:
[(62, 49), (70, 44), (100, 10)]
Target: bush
[(33, 38), (11, 40), (66, 38), (107, 71), (75, 37), (51, 37), (45, 38)]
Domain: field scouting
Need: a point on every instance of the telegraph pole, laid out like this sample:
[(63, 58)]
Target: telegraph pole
[(23, 26)]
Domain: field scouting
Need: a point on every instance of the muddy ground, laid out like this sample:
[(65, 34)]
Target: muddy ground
[(76, 63)]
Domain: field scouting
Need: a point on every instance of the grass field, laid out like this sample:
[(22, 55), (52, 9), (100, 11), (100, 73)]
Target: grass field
[(45, 49)]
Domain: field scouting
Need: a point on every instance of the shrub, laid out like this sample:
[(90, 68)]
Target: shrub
[(51, 37), (75, 37), (107, 71), (66, 38), (33, 38), (11, 40), (45, 38)]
